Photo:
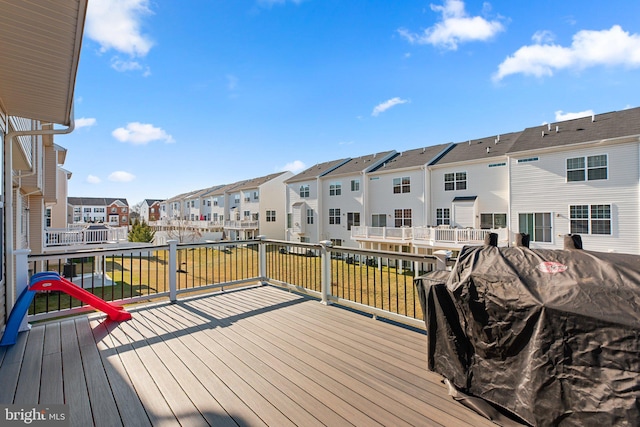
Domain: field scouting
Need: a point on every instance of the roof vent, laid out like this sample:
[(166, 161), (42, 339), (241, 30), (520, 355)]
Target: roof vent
[(498, 138), (557, 129), (593, 118), (548, 126), (543, 134), (424, 149), (495, 141), (469, 142), (488, 149)]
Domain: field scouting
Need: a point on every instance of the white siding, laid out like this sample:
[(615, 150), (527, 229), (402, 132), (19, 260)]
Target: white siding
[(348, 202), (541, 187), (272, 198), (311, 231), (382, 200), (489, 184)]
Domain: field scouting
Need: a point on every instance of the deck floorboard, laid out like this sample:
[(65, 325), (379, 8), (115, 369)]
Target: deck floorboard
[(259, 356)]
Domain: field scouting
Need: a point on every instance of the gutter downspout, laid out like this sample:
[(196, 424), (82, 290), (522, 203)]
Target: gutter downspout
[(8, 200)]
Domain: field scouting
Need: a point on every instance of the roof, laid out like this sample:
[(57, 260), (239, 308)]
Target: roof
[(256, 182), (360, 164), (317, 171), (151, 202), (586, 129), (478, 149), (414, 158), (94, 201), (40, 48), (464, 198)]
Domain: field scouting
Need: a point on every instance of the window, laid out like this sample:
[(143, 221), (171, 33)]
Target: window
[(86, 210), (590, 219), (304, 191), (236, 199), (215, 217), (98, 210), (47, 217), (289, 220), (497, 165), (334, 216), (589, 168), (246, 214), (402, 218), (247, 198), (124, 219), (455, 181), (353, 219), (256, 195), (536, 225), (215, 202), (443, 216), (378, 220), (305, 239), (309, 216), (493, 220), (271, 216), (336, 242), (401, 185), (528, 160), (114, 210), (335, 189), (254, 216), (355, 185)]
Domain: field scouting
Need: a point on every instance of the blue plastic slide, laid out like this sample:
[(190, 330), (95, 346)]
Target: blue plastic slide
[(15, 318)]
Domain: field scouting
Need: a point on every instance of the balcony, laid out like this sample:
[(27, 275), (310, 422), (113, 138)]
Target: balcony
[(437, 237), (267, 343), (76, 236), (242, 225)]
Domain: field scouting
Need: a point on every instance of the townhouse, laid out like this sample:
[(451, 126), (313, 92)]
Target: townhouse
[(257, 208), (87, 210), (579, 176), (304, 203), (397, 194), (150, 210), (36, 91)]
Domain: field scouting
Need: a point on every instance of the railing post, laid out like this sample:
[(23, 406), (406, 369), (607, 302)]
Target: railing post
[(325, 270), (173, 269), (22, 280), (262, 256)]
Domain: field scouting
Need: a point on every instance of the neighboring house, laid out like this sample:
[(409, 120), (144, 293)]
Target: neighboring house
[(579, 176), (150, 210), (37, 79), (261, 208), (344, 197), (470, 184), (398, 195), (304, 203), (101, 210)]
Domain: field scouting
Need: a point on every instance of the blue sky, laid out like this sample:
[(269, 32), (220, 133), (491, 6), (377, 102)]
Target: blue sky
[(177, 96)]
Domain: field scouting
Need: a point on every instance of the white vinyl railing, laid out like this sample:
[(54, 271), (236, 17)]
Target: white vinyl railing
[(76, 236), (430, 235), (241, 224)]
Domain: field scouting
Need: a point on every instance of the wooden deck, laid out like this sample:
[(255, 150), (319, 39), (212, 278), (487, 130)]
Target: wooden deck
[(257, 356)]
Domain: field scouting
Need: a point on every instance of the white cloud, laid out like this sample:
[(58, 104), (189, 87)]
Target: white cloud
[(92, 179), (455, 27), (613, 47), (562, 116), (295, 166), (141, 133), (124, 65), (121, 176), (116, 25), (84, 122), (384, 106), (543, 36)]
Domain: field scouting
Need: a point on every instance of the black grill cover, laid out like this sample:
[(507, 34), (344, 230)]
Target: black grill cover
[(552, 336)]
